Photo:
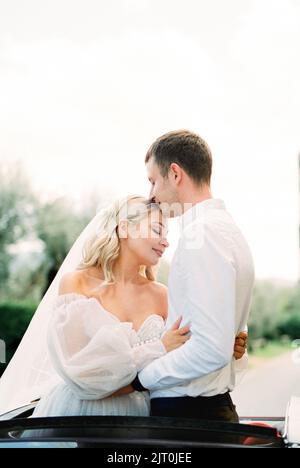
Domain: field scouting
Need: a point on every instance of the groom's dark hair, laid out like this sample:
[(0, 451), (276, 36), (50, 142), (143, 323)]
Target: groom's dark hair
[(185, 148)]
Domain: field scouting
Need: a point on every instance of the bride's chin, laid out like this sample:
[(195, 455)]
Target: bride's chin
[(151, 263)]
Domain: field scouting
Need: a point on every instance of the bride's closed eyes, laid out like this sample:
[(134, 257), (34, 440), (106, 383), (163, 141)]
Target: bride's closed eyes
[(156, 230), (159, 230)]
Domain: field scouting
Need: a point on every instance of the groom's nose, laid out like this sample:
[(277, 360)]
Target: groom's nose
[(152, 192), (152, 196)]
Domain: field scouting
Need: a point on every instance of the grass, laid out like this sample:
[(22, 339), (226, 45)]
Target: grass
[(270, 350)]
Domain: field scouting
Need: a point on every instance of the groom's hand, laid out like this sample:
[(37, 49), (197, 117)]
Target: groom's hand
[(240, 345)]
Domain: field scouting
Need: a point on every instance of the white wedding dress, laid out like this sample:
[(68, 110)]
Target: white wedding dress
[(95, 354)]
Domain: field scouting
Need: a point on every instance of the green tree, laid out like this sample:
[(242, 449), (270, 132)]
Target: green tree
[(290, 318), (58, 225), (268, 304), (16, 212)]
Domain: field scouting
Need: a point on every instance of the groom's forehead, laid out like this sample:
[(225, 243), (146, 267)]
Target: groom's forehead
[(152, 168)]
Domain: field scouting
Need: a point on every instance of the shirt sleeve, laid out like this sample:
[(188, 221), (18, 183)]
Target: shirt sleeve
[(240, 368), (208, 279)]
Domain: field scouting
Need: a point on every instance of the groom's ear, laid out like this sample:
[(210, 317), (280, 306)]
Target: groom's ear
[(123, 229), (175, 173)]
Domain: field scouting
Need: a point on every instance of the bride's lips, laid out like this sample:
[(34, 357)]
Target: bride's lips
[(158, 252)]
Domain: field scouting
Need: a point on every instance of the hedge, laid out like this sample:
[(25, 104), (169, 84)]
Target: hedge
[(14, 319)]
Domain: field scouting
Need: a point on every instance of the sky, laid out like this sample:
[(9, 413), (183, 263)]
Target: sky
[(86, 86)]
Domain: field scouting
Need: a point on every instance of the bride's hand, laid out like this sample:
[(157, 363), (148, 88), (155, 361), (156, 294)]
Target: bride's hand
[(175, 336)]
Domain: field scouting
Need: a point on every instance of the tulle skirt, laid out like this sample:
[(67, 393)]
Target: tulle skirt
[(61, 401)]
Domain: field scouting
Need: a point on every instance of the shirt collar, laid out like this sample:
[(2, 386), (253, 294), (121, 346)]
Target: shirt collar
[(198, 210)]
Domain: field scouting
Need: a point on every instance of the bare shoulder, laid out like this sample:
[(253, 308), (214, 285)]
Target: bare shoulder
[(160, 288), (70, 283), (160, 291)]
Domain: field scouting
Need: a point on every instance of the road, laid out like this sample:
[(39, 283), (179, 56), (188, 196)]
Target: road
[(266, 389)]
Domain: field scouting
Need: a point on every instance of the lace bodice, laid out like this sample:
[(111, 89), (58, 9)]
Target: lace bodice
[(150, 331)]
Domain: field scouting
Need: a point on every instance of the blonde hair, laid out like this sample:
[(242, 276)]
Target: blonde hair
[(103, 248)]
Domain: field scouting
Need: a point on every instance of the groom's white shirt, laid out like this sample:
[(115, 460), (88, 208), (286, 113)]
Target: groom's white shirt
[(210, 284)]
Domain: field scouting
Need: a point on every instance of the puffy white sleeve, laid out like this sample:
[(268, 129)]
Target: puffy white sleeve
[(93, 351)]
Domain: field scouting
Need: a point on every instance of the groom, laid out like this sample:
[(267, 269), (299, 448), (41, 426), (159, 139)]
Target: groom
[(210, 285)]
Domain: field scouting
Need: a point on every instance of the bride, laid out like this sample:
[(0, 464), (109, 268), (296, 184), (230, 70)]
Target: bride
[(101, 322)]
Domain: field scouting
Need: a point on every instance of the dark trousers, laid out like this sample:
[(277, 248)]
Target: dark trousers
[(216, 408)]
